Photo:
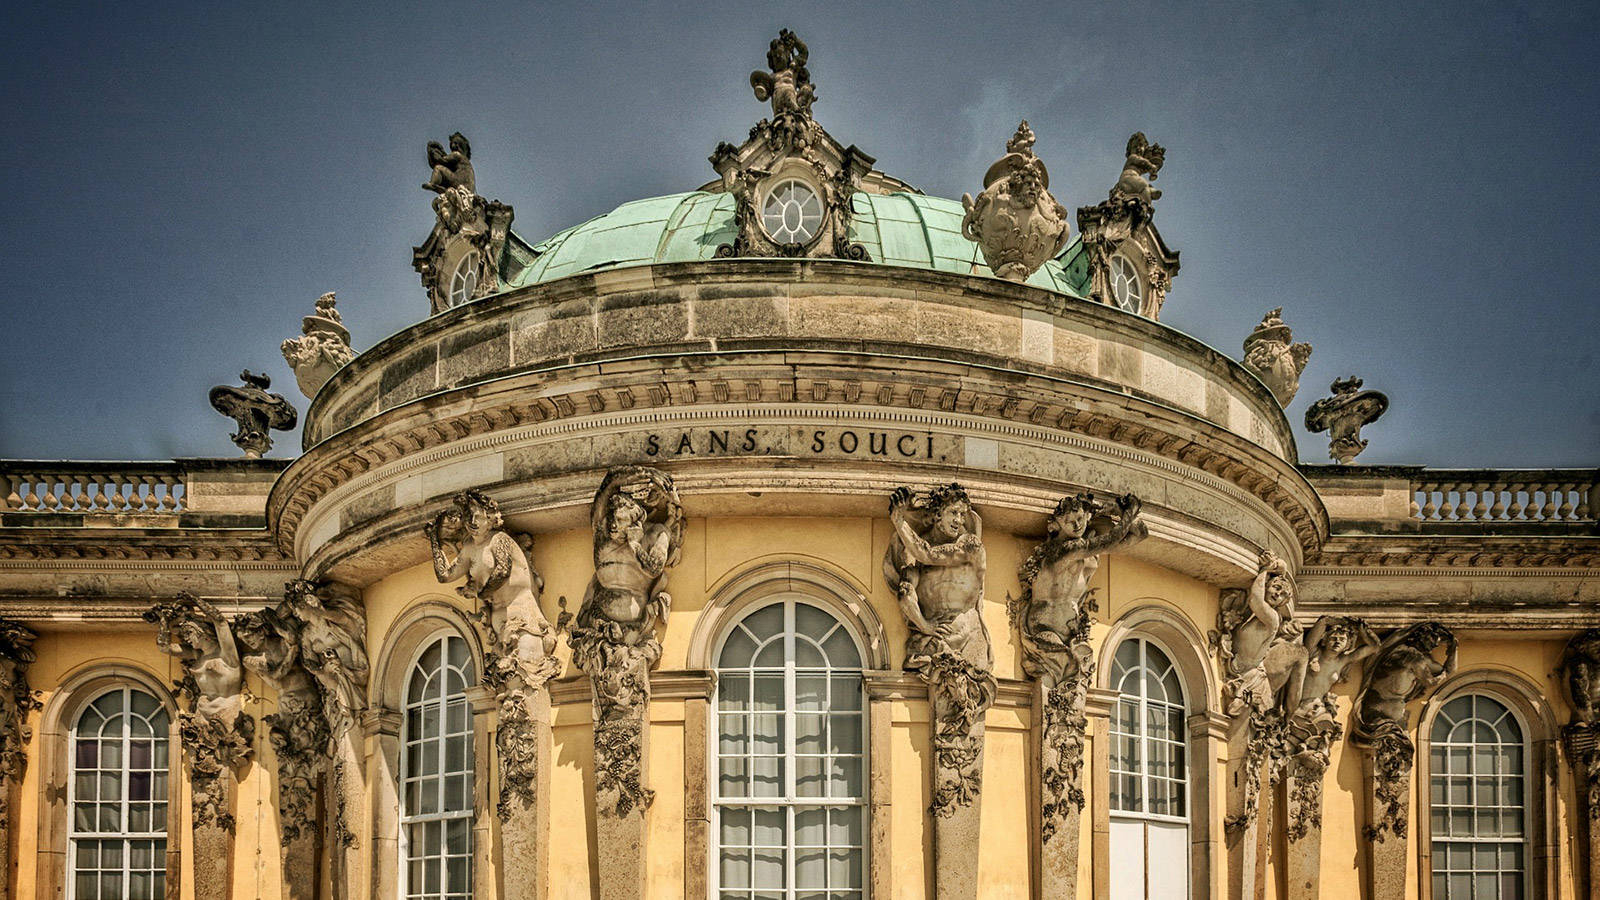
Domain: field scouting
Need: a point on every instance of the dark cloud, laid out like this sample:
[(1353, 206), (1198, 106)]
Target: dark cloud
[(1415, 184)]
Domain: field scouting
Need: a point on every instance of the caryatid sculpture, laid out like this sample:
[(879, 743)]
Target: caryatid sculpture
[(1342, 416), (256, 412), (16, 703), (638, 535), (270, 644), (1580, 669), (1404, 668), (217, 736), (1270, 352), (500, 578), (1015, 221), (1052, 618), (322, 348), (1329, 648)]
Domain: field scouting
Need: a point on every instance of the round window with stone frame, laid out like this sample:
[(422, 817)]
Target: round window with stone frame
[(1127, 290), (464, 278), (791, 212)]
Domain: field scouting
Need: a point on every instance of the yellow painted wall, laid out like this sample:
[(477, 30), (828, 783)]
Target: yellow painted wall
[(716, 551)]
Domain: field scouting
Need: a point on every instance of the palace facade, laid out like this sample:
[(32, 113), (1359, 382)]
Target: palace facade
[(800, 536)]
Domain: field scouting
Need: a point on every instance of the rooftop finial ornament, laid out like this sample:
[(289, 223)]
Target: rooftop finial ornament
[(789, 88), (460, 260), (255, 410), (322, 348), (1342, 416), (1015, 221), (1129, 265), (1269, 353)]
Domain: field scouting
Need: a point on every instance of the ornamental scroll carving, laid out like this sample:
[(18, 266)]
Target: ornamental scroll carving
[(217, 736), (638, 535), (460, 259), (501, 580), (16, 703), (256, 411), (1342, 415), (935, 565), (1015, 221), (793, 185), (1052, 617), (1580, 669), (298, 732), (1404, 668)]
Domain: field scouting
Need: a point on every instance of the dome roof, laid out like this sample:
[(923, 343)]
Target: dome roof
[(898, 229)]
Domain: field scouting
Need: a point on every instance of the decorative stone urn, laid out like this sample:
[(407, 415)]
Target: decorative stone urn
[(255, 410), (1342, 416), (1271, 355), (1015, 221), (322, 348)]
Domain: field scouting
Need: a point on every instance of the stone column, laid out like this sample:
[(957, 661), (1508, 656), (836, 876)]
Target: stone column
[(525, 748), (696, 797), (485, 864), (1583, 749), (8, 790), (1249, 817), (212, 798), (957, 801), (1302, 805), (1387, 768), (383, 726)]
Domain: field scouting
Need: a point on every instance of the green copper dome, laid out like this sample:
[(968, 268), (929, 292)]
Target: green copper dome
[(900, 229)]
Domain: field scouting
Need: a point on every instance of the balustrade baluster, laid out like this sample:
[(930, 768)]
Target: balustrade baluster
[(83, 499), (1565, 512), (1480, 501), (1548, 514), (8, 492), (1586, 502), (1517, 510), (169, 501), (1429, 508), (59, 494), (1497, 511)]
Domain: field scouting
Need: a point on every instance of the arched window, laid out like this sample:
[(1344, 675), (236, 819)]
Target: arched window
[(117, 794), (436, 774), (1149, 776), (1477, 774), (1126, 288), (790, 782)]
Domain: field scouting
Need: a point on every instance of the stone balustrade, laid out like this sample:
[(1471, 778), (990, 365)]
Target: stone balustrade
[(1412, 498), (134, 492), (1491, 496)]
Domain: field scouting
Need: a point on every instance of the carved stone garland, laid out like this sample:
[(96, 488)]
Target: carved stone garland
[(1580, 669), (638, 535), (217, 736), (1052, 617), (935, 565), (499, 577), (1404, 669), (16, 704)]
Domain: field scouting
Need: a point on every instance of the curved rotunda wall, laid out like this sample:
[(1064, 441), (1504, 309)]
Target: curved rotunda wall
[(783, 387)]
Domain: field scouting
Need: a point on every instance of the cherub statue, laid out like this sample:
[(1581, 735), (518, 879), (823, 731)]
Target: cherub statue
[(1144, 159), (332, 630), (1342, 416), (16, 700), (1580, 665), (1055, 578), (500, 576), (1403, 670), (1252, 623), (788, 85), (1332, 645), (1269, 352), (451, 170)]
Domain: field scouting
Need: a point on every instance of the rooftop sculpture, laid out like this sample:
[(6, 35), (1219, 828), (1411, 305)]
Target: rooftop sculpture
[(322, 349), (1342, 416), (1269, 353), (1015, 221), (1122, 222), (460, 259), (255, 410), (788, 86)]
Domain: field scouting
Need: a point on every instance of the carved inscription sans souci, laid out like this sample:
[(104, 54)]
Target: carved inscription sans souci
[(802, 441)]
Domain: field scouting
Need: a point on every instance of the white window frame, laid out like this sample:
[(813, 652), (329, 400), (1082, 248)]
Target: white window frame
[(460, 292), (74, 837), (782, 181), (1133, 277), (789, 801), (408, 818), (1437, 842), (1144, 817)]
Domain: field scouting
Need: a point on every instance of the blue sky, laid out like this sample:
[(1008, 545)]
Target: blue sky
[(1414, 184)]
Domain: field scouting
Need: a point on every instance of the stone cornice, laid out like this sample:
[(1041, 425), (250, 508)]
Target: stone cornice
[(1507, 555), (240, 548)]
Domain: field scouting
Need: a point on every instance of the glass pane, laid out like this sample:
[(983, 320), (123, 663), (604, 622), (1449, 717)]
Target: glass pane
[(844, 733), (808, 655), (738, 651), (846, 777), (767, 868), (767, 622), (811, 692), (846, 692), (810, 869), (809, 776), (841, 650), (766, 776), (733, 692), (811, 827), (768, 693)]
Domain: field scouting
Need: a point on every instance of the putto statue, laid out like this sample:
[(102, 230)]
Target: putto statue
[(460, 260), (1052, 619), (1015, 221), (935, 564), (1342, 416), (1271, 355), (255, 410), (322, 348), (217, 735), (638, 535), (1129, 265), (1404, 669), (789, 88), (499, 574)]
